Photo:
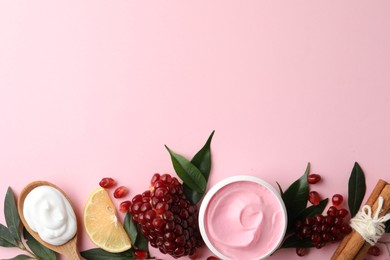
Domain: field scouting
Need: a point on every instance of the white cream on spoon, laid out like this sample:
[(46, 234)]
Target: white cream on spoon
[(48, 212)]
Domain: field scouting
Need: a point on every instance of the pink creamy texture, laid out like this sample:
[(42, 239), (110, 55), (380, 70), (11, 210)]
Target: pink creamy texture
[(244, 220)]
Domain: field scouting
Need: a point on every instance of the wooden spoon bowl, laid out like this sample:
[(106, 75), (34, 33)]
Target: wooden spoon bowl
[(69, 249)]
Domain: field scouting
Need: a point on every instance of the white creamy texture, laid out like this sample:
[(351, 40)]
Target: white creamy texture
[(49, 213)]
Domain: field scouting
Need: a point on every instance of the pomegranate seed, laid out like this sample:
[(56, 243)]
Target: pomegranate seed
[(337, 200), (107, 183), (332, 211), (374, 250), (139, 254), (212, 258), (342, 213), (301, 251), (346, 229), (124, 206), (155, 178), (314, 198), (313, 178), (120, 192), (319, 218), (137, 198)]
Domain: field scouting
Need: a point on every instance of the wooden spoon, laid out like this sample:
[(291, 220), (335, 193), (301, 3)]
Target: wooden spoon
[(69, 249)]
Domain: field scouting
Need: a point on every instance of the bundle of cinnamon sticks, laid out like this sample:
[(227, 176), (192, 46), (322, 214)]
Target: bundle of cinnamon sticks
[(353, 246)]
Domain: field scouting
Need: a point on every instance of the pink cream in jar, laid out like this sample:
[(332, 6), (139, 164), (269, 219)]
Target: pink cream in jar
[(242, 217)]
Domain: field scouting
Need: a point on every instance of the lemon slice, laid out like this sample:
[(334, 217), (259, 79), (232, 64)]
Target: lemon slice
[(102, 225)]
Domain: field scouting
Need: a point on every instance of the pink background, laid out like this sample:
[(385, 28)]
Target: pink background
[(90, 89)]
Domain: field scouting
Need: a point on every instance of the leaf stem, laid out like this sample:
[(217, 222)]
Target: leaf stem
[(24, 248)]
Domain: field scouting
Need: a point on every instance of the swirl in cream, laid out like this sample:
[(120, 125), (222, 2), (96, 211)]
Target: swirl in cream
[(49, 213), (244, 220)]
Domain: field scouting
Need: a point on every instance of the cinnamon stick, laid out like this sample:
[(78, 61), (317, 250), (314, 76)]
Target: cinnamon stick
[(385, 208), (353, 243)]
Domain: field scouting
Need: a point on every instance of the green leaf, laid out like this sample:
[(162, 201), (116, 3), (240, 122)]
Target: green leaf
[(295, 197), (313, 210), (6, 237), (131, 228), (138, 240), (387, 226), (192, 195), (188, 172), (201, 160), (294, 242), (20, 257), (142, 242), (100, 254), (356, 189), (40, 250), (11, 214)]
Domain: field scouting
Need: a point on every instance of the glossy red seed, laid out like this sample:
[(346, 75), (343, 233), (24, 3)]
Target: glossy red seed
[(139, 254), (107, 183), (337, 200), (374, 250), (326, 237), (145, 207), (314, 198), (329, 220), (166, 178), (178, 252), (155, 178), (342, 213), (212, 258), (146, 194), (308, 221), (137, 198), (120, 192), (158, 223), (301, 251), (319, 218), (161, 207), (332, 211), (149, 215), (346, 229), (306, 231), (338, 222), (313, 178), (125, 206), (136, 208)]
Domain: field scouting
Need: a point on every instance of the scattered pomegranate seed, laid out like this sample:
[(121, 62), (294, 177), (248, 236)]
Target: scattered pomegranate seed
[(313, 178), (120, 192), (212, 258), (107, 183), (337, 200), (314, 198), (139, 254), (301, 251), (124, 206), (374, 250)]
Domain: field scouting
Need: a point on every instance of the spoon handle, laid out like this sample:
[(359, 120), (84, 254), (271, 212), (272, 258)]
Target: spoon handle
[(72, 254)]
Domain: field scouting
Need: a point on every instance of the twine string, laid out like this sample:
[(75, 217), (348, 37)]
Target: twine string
[(371, 228)]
